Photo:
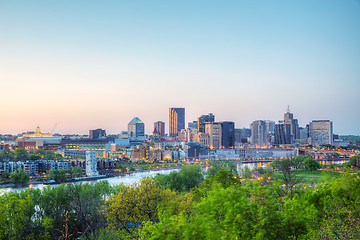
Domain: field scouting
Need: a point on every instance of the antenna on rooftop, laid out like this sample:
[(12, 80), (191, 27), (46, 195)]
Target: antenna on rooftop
[(288, 109)]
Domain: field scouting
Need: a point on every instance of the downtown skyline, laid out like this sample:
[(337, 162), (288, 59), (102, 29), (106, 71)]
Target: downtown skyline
[(89, 65)]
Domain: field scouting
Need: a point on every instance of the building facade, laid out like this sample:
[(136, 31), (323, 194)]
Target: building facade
[(159, 128), (282, 133), (259, 132), (136, 128), (176, 121), (97, 133), (215, 135), (321, 132), (294, 125), (203, 119), (227, 134)]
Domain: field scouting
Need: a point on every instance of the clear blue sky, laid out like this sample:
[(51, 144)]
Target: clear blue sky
[(97, 64)]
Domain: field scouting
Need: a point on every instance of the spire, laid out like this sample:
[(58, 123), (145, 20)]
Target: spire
[(288, 109)]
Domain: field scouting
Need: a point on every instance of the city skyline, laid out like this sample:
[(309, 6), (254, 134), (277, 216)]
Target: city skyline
[(87, 65)]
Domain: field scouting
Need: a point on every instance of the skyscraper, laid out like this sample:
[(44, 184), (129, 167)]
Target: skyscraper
[(159, 128), (241, 135), (227, 134), (136, 128), (282, 133), (294, 124), (203, 119), (259, 132), (321, 132), (176, 120), (215, 135)]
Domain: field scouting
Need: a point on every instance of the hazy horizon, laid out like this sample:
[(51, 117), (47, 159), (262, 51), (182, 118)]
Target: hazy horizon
[(89, 64)]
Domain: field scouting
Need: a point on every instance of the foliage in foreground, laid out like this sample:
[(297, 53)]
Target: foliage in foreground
[(223, 206)]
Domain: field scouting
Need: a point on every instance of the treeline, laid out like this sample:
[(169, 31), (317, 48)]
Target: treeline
[(186, 205)]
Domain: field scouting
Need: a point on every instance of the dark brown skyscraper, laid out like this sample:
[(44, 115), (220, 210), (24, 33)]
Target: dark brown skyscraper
[(176, 120), (159, 128)]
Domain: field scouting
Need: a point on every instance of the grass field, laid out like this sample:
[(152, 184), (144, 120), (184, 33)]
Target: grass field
[(311, 177)]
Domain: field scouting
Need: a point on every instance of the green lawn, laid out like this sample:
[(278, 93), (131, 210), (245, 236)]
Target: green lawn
[(311, 177)]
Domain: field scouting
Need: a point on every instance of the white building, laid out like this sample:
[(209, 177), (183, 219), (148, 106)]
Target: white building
[(91, 163)]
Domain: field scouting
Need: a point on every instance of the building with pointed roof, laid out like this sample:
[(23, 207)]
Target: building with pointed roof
[(136, 128)]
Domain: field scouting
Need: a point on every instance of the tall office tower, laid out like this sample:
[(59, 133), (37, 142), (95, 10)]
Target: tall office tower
[(227, 134), (136, 128), (282, 133), (321, 132), (159, 128), (270, 126), (259, 133), (176, 120), (241, 135), (215, 134), (203, 119), (294, 124), (303, 133), (192, 125), (97, 133)]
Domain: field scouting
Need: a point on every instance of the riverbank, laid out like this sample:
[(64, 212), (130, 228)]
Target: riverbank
[(117, 174)]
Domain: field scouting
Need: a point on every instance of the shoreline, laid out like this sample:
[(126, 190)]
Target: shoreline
[(35, 182)]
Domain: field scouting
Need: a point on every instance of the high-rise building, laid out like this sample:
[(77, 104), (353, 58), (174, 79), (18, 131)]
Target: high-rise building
[(176, 120), (136, 128), (303, 133), (159, 128), (203, 119), (227, 134), (294, 125), (97, 133), (282, 133), (321, 132), (259, 132), (241, 135), (215, 134), (193, 125)]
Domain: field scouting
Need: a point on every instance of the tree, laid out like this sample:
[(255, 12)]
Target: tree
[(212, 170), (34, 157), (49, 155), (311, 164), (75, 172), (6, 155), (289, 176), (191, 176), (58, 156), (121, 167), (352, 160), (21, 154), (5, 174), (19, 176), (246, 172), (57, 175), (136, 203)]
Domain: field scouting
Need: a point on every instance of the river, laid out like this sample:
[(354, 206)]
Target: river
[(127, 180), (135, 177)]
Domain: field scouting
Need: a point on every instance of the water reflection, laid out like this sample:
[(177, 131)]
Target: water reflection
[(127, 180)]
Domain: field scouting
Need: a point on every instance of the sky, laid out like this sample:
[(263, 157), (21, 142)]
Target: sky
[(80, 65)]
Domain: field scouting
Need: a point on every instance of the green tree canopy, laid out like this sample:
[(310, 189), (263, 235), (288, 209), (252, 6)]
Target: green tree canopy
[(19, 176), (6, 155), (21, 154), (311, 164)]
